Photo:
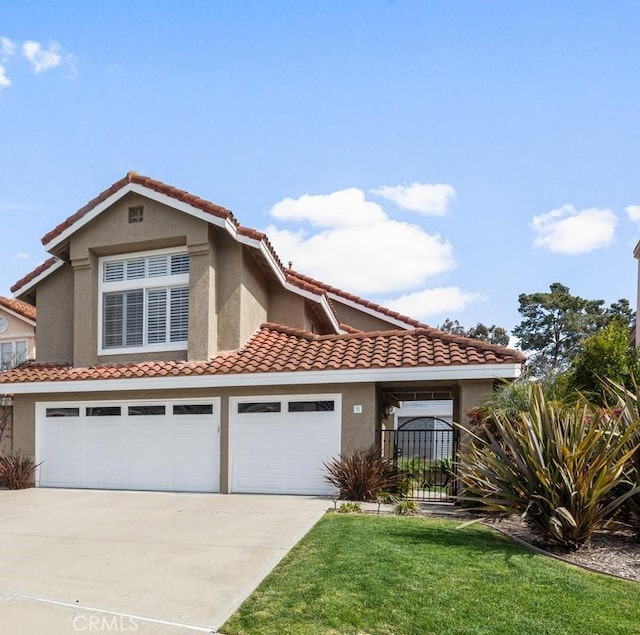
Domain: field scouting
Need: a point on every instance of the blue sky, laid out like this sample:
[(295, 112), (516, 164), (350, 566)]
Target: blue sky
[(439, 157)]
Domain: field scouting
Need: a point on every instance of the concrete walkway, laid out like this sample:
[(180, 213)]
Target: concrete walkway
[(98, 561)]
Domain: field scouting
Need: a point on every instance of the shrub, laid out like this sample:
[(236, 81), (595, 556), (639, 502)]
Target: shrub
[(559, 467), (406, 508), (607, 353), (16, 470), (361, 475), (624, 404), (413, 473), (350, 508)]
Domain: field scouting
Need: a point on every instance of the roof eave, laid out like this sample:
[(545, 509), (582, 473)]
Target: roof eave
[(239, 380)]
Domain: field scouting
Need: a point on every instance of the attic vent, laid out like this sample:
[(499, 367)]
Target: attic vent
[(136, 214)]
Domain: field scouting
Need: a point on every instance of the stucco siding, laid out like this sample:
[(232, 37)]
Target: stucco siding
[(360, 320), (254, 303), (286, 307), (111, 232), (228, 292), (55, 322)]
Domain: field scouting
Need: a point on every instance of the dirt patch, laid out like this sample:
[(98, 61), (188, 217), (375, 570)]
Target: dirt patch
[(616, 552)]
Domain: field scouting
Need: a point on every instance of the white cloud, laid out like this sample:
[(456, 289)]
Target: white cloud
[(42, 59), (633, 212), (5, 82), (437, 301), (7, 48), (569, 231), (21, 255), (426, 198), (345, 208), (358, 248)]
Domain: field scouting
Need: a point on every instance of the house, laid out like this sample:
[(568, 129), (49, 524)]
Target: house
[(17, 332), (17, 344), (176, 352)]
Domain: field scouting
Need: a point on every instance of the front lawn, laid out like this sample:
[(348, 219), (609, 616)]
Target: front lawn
[(387, 575)]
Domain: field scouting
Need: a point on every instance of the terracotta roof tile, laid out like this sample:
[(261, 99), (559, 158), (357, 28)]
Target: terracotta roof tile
[(301, 281), (18, 306), (47, 264), (276, 348), (304, 281), (158, 186)]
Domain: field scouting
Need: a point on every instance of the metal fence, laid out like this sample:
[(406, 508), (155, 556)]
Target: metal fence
[(423, 452)]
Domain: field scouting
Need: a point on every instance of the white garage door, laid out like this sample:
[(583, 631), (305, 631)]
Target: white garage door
[(167, 446), (278, 444)]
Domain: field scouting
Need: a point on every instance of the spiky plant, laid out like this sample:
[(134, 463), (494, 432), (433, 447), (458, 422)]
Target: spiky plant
[(16, 470), (561, 468), (623, 403), (361, 475)]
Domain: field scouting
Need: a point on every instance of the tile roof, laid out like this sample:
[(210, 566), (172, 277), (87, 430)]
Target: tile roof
[(293, 277), (47, 264), (275, 348), (157, 186), (300, 279), (170, 191), (17, 306), (162, 188)]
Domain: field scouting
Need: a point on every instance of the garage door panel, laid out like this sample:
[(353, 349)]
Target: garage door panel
[(62, 437), (283, 452), (148, 452)]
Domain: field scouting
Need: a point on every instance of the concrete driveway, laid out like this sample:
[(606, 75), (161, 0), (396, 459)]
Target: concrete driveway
[(76, 561)]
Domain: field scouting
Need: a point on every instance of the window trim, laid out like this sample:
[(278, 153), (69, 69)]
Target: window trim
[(166, 282)]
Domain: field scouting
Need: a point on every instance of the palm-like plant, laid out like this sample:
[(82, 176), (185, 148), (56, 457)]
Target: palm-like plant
[(624, 403), (562, 468), (361, 475)]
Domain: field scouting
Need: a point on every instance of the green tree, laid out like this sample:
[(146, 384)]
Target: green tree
[(607, 354), (556, 322), (492, 334)]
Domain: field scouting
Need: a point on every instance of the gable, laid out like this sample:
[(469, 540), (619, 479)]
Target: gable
[(18, 312), (112, 232)]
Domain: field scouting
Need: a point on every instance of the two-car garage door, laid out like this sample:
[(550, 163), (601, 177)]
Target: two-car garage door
[(276, 444), (171, 446)]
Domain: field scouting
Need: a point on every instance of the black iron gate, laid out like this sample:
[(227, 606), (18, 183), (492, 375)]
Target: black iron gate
[(423, 450)]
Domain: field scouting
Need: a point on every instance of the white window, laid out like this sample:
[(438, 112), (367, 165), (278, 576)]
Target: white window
[(144, 302), (12, 354)]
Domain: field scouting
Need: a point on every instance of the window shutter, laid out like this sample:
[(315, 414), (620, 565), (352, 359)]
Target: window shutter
[(157, 266), (112, 319), (141, 312), (179, 312), (179, 264), (156, 316), (114, 271), (135, 268), (134, 303)]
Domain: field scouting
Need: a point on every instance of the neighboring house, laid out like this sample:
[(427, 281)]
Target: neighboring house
[(176, 352), (17, 332), (17, 344)]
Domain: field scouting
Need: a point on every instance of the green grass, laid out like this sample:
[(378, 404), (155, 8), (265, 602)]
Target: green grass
[(388, 575)]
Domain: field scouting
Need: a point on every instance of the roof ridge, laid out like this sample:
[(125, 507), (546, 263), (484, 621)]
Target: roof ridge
[(427, 330), (146, 181)]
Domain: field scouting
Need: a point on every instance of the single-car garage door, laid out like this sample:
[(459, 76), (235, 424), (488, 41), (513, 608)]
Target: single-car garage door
[(278, 445), (164, 445)]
